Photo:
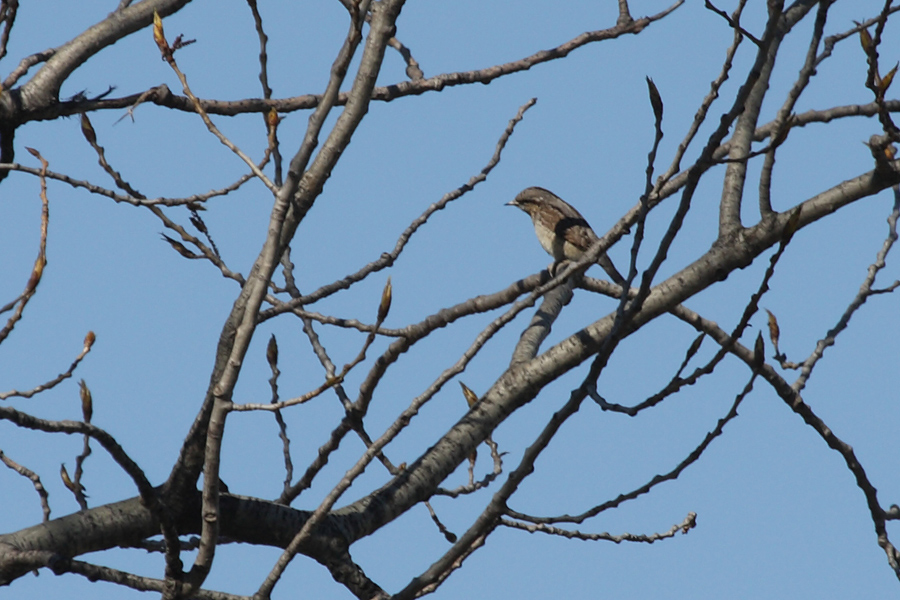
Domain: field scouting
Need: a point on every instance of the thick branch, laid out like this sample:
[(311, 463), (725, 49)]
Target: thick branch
[(519, 385)]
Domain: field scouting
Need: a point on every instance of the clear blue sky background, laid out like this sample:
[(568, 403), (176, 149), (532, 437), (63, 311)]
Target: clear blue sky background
[(779, 515)]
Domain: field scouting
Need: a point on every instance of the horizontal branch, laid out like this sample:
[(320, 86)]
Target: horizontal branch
[(106, 440), (162, 96), (689, 523)]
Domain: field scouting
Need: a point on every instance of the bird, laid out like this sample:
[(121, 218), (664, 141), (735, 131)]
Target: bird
[(561, 229)]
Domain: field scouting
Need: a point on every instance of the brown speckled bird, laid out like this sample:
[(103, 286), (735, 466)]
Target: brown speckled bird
[(561, 229)]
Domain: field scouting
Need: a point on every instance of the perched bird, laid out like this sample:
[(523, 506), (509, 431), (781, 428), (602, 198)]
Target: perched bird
[(561, 229)]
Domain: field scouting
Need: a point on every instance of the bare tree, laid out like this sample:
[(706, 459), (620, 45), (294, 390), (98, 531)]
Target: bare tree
[(727, 145)]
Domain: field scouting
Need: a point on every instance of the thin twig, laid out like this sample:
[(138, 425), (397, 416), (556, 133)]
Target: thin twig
[(169, 57), (88, 341), (35, 480), (387, 259), (795, 402), (865, 291), (40, 262)]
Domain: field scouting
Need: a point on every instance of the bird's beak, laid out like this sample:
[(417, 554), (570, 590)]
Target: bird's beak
[(511, 203)]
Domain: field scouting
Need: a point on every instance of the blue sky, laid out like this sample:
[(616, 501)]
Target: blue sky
[(779, 515)]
